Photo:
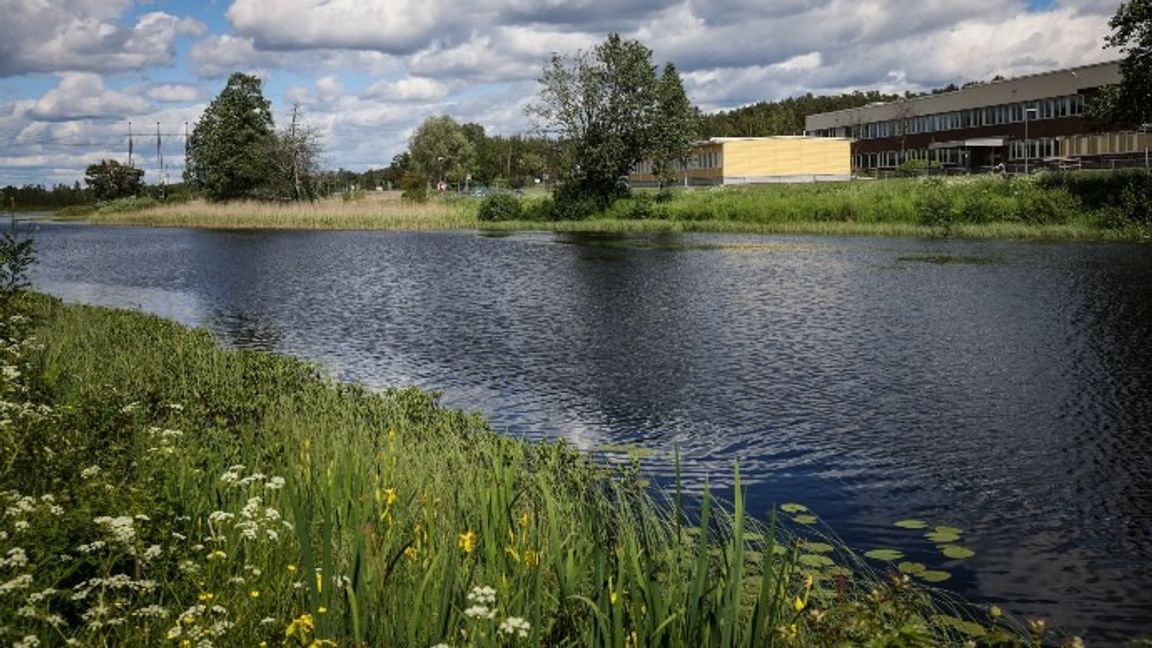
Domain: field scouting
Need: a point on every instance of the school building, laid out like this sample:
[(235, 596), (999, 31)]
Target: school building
[(1032, 120), (757, 160)]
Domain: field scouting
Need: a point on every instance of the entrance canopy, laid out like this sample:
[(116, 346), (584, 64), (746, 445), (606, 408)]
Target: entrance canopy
[(979, 142)]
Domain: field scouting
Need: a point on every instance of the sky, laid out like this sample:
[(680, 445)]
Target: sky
[(74, 73)]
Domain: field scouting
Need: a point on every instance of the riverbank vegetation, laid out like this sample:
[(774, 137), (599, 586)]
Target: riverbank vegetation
[(159, 490), (1057, 206)]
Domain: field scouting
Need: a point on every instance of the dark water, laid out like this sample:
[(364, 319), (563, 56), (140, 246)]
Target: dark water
[(1004, 388)]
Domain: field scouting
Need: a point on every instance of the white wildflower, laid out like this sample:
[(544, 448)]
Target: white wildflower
[(482, 595), (21, 582), (480, 612), (120, 529), (90, 472), (515, 626), (29, 641), (276, 483), (16, 558)]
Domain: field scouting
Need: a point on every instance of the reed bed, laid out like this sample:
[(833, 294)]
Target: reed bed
[(159, 490), (329, 214)]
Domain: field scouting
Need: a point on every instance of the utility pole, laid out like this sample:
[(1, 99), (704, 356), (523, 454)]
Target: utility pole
[(129, 144), (160, 161), (294, 150)]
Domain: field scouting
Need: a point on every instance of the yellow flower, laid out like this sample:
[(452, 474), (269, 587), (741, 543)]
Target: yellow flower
[(612, 597), (531, 558), (411, 553), (467, 541), (302, 624), (204, 597), (389, 496), (995, 612), (254, 593), (291, 569), (322, 610), (217, 555), (323, 643), (798, 604), (319, 582)]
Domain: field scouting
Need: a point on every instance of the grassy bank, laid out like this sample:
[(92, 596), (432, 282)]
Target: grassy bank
[(162, 491), (1084, 206)]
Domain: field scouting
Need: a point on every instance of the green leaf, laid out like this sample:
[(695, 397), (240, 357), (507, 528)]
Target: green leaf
[(817, 547), (884, 554), (932, 576), (911, 568), (805, 519), (793, 508), (969, 628), (956, 551), (942, 537), (912, 524), (816, 560), (949, 529)]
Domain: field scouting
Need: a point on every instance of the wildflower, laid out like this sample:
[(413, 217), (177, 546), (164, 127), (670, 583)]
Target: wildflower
[(482, 595), (175, 631), (291, 569), (120, 529), (302, 624), (479, 612), (217, 555), (21, 582), (467, 541), (389, 496), (531, 558), (410, 552), (515, 625), (799, 604), (275, 483), (254, 593), (995, 612), (321, 610)]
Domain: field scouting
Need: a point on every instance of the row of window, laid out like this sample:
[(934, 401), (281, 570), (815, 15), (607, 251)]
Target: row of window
[(1043, 147), (709, 160), (1051, 108)]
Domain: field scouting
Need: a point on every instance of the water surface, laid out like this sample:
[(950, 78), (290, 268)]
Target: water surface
[(1001, 387)]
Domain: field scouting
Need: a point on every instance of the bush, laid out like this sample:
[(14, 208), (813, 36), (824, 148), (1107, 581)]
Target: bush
[(415, 186), (910, 168), (1040, 206), (500, 206), (539, 210), (124, 205), (934, 205)]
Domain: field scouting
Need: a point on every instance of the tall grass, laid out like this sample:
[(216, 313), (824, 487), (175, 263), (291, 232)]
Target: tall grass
[(159, 489), (366, 213)]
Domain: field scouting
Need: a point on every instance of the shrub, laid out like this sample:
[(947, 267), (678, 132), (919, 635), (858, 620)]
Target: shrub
[(910, 168), (500, 206), (124, 205), (539, 210), (1040, 206), (934, 205), (415, 186)]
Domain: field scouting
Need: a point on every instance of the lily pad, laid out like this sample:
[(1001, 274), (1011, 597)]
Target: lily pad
[(942, 537), (884, 554), (817, 547), (969, 628), (816, 560), (949, 529), (912, 524), (793, 508), (933, 576), (838, 571), (912, 568), (956, 551), (804, 519)]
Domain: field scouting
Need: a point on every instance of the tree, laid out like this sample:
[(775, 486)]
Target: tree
[(292, 162), (110, 180), (1129, 103), (228, 148), (603, 106), (440, 149), (675, 131)]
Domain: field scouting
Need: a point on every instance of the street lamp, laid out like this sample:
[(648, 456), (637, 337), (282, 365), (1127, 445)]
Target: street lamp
[(1145, 128), (1027, 148)]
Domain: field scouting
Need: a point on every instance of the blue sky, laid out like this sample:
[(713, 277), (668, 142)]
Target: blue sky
[(73, 73)]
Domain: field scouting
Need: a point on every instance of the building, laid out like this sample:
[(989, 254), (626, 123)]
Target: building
[(1031, 120), (758, 160)]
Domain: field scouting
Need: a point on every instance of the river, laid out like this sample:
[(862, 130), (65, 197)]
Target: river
[(1001, 387)]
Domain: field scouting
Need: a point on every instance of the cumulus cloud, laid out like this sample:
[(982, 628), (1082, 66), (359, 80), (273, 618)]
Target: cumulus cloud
[(417, 89), (82, 95), (174, 93), (85, 35)]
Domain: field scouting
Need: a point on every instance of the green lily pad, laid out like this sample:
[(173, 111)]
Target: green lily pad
[(949, 529), (943, 537), (956, 551), (816, 560), (817, 547), (884, 554), (793, 508), (804, 519), (912, 524), (838, 570), (933, 576), (911, 568), (778, 550), (969, 628)]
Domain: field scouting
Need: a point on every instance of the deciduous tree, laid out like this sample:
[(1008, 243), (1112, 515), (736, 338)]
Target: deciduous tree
[(440, 149), (676, 128), (110, 180), (1129, 103), (228, 148)]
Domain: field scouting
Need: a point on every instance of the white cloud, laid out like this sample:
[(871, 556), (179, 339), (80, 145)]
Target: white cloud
[(417, 89), (82, 95), (174, 93), (85, 35)]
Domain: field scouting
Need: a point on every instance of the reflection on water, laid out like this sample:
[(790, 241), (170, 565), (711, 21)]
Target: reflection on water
[(1003, 388)]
